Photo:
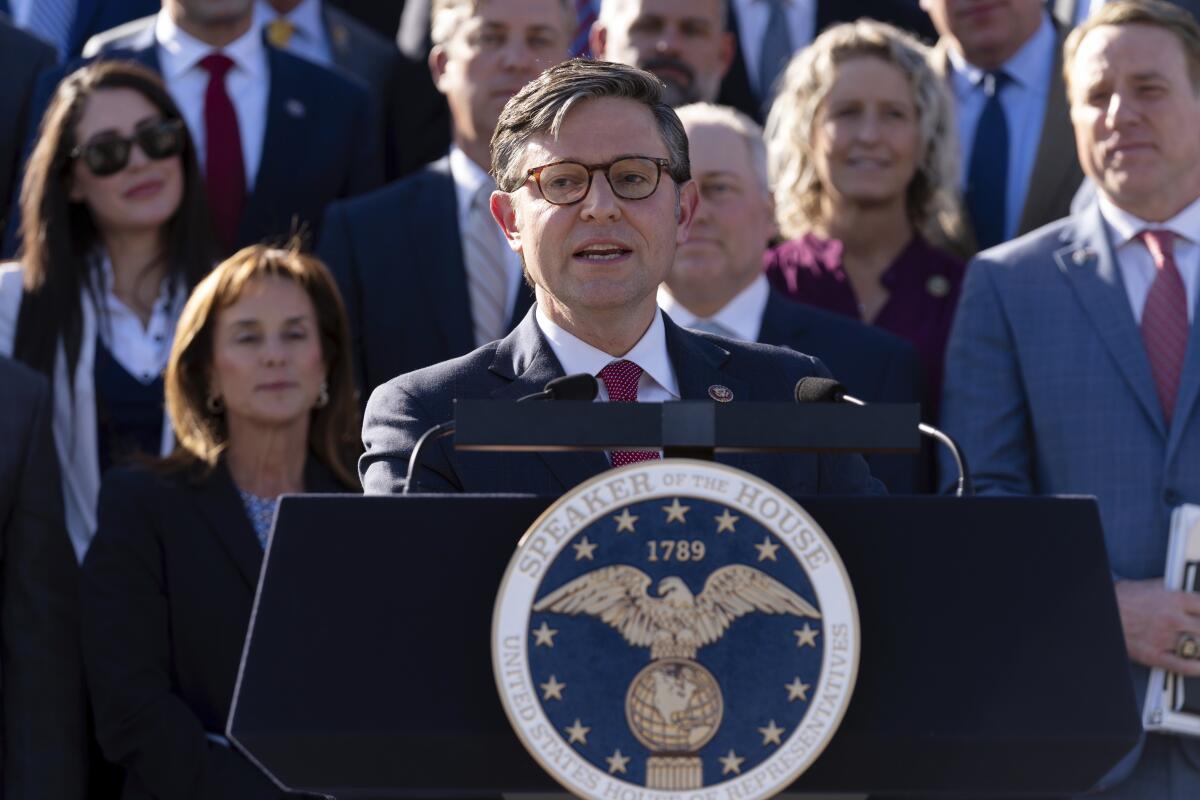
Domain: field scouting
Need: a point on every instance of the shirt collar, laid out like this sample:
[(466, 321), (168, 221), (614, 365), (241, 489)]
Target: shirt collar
[(742, 315), (468, 178), (1029, 67), (576, 355), (102, 283), (1123, 227), (180, 51), (306, 18)]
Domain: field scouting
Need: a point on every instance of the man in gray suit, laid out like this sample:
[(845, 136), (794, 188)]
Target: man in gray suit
[(1003, 64), (1073, 366), (594, 193)]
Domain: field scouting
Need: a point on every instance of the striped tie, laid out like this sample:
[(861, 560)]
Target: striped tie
[(774, 52), (487, 272), (51, 20), (621, 381), (1165, 319)]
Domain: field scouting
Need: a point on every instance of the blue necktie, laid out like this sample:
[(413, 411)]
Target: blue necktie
[(51, 20), (775, 51), (987, 175)]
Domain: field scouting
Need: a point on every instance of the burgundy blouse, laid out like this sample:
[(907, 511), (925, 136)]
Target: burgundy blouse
[(923, 284)]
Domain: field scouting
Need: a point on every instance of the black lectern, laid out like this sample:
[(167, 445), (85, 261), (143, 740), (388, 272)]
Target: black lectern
[(992, 658)]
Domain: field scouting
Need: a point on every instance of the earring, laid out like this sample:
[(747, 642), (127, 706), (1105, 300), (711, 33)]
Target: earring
[(214, 404), (322, 395)]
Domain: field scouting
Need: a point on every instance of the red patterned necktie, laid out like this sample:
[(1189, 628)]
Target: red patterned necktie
[(621, 380), (225, 176), (1165, 319)]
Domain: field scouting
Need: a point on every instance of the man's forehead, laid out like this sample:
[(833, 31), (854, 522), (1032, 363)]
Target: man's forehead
[(717, 149), (1108, 49), (673, 9), (518, 13), (597, 130)]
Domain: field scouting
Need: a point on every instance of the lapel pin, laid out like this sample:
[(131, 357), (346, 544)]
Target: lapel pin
[(341, 36), (295, 108), (722, 394), (1081, 255), (938, 285)]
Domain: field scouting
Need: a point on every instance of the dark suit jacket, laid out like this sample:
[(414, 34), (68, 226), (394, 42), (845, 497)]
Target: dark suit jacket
[(873, 365), (397, 256), (22, 59), (1056, 172), (321, 141), (167, 589), (521, 363), (737, 88), (94, 16), (44, 743)]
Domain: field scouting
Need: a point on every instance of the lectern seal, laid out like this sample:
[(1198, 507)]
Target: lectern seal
[(675, 629)]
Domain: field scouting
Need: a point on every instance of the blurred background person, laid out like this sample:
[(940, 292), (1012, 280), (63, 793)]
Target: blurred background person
[(864, 167), (45, 742), (22, 58), (262, 397), (424, 268), (116, 234), (67, 24), (1070, 13), (716, 283), (1003, 63)]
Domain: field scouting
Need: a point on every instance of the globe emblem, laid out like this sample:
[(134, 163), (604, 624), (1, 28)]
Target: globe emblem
[(674, 706)]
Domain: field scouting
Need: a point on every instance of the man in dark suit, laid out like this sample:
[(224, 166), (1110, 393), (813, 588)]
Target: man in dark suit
[(594, 193), (287, 137), (1070, 13), (423, 270), (43, 741), (67, 25), (1003, 64), (1072, 367), (717, 283), (22, 59)]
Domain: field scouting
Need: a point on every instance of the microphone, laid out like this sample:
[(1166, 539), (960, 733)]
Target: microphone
[(827, 390), (580, 387)]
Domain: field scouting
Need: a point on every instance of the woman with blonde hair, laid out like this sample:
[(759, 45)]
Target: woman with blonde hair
[(863, 163), (261, 395)]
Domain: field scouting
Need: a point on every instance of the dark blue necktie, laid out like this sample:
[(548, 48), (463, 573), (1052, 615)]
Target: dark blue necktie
[(987, 175)]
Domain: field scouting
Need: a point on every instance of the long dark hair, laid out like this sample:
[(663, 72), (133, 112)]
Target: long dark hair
[(58, 235)]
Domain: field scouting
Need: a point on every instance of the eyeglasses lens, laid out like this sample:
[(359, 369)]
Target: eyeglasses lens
[(630, 179)]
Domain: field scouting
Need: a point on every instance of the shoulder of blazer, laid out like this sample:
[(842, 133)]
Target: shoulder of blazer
[(358, 36), (336, 89), (391, 205), (135, 35)]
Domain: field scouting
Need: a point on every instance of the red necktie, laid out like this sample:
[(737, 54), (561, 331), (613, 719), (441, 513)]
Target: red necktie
[(621, 380), (1165, 319), (226, 174)]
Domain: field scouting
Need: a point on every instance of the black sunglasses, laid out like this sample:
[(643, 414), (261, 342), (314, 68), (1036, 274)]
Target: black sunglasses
[(107, 153)]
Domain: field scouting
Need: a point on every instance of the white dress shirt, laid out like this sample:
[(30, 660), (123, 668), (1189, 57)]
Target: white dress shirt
[(658, 382), (248, 84), (142, 350), (742, 316), (1024, 103), (1134, 261), (752, 16), (310, 40), (468, 177)]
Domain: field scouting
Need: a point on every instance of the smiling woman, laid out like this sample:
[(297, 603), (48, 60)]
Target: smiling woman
[(115, 233)]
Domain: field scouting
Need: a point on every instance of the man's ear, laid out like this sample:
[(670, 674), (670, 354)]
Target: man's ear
[(505, 213), (689, 201), (598, 39), (437, 63)]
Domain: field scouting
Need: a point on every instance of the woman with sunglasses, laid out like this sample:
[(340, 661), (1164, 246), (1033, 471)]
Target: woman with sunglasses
[(115, 235)]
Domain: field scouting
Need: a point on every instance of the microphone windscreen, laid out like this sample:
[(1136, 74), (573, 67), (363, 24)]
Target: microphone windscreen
[(819, 390), (580, 386)]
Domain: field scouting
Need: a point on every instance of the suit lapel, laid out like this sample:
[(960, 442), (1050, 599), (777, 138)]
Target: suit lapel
[(1090, 266), (84, 12), (282, 145), (340, 38), (221, 508), (525, 359), (439, 258), (1055, 160), (1189, 386), (778, 326), (698, 363)]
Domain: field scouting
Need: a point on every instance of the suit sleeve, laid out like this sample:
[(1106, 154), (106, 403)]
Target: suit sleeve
[(983, 398), (45, 745), (393, 423), (336, 250), (140, 723)]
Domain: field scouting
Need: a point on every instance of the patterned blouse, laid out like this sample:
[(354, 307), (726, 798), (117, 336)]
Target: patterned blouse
[(261, 511)]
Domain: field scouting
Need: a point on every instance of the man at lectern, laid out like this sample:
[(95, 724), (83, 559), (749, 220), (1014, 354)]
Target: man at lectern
[(1068, 370), (594, 193)]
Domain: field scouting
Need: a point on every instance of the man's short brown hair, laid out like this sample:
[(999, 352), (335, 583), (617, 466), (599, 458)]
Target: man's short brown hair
[(1155, 13), (543, 103)]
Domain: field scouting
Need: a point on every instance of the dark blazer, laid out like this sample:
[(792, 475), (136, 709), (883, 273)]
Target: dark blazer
[(873, 364), (167, 589), (521, 363), (397, 256), (22, 59), (44, 740), (738, 90), (321, 141)]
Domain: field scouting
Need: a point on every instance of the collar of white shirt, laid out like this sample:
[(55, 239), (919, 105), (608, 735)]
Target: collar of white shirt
[(1123, 226), (742, 315), (468, 177), (650, 353), (180, 51), (306, 18), (1028, 68)]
